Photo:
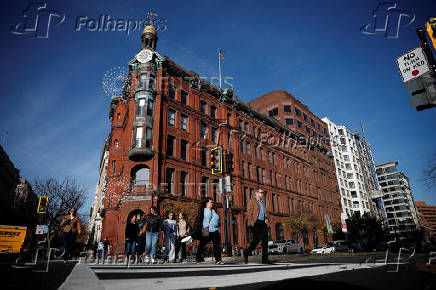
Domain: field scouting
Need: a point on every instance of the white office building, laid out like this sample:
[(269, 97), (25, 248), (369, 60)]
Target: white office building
[(353, 171)]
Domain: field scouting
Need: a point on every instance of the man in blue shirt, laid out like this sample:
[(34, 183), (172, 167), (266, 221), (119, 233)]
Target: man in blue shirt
[(257, 220)]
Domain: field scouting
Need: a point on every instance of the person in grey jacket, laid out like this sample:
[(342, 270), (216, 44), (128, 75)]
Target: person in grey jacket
[(170, 235)]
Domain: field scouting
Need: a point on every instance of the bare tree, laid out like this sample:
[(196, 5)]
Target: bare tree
[(430, 172), (62, 196)]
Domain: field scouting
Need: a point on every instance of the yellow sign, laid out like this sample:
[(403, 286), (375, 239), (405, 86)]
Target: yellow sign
[(12, 238)]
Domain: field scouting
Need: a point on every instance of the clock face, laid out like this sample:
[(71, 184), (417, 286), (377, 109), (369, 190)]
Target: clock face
[(144, 56)]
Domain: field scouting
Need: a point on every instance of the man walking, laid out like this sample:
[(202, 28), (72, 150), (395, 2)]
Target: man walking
[(257, 219)]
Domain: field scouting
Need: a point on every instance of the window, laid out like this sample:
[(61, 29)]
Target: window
[(273, 112), (248, 148), (270, 176), (299, 124), (240, 125), (213, 134), (269, 156), (143, 80), (289, 121), (116, 143), (243, 168), (171, 117), (325, 131), (249, 171), (183, 97), (203, 130), (203, 107), (229, 115), (241, 147), (258, 173), (141, 108), (215, 184), (213, 112), (148, 137), (273, 204), (170, 180), (261, 154), (307, 129), (183, 146), (287, 108), (118, 116), (113, 166), (246, 126), (142, 177), (298, 112), (149, 108), (183, 179), (275, 178), (263, 176), (139, 132), (273, 158), (170, 145), (203, 156), (245, 196), (204, 187), (184, 122), (312, 122), (318, 126), (171, 92), (304, 117)]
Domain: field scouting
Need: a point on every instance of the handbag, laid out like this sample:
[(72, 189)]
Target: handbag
[(205, 232)]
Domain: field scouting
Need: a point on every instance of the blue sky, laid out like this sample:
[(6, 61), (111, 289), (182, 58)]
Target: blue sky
[(56, 113)]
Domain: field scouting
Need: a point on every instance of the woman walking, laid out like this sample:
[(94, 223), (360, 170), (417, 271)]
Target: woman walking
[(170, 233), (206, 229), (183, 232), (131, 237)]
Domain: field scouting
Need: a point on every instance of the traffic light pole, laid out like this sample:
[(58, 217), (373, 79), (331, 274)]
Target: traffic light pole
[(227, 243), (427, 51)]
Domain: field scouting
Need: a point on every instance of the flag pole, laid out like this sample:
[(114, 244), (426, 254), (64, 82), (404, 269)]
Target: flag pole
[(219, 64)]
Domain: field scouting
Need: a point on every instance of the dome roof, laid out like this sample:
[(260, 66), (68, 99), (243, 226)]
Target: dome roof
[(149, 29)]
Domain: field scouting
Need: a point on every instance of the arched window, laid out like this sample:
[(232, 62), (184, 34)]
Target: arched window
[(279, 232), (141, 176)]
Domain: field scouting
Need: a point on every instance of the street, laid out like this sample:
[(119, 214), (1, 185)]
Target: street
[(311, 272)]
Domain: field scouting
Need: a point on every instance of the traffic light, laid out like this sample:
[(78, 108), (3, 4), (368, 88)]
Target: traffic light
[(216, 161), (430, 25), (423, 90), (43, 204), (229, 161)]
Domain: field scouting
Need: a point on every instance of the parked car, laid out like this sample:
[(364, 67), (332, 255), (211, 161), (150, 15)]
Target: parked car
[(342, 246), (326, 249), (285, 247)]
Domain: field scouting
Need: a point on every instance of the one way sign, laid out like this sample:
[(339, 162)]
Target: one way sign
[(413, 64)]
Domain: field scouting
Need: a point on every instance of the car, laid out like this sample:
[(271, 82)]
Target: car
[(329, 248), (285, 247), (342, 246)]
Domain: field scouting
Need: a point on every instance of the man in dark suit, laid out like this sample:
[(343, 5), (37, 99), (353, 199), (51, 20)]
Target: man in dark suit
[(257, 219)]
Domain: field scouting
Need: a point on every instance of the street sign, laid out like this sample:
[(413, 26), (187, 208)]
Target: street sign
[(413, 64), (41, 229), (343, 222)]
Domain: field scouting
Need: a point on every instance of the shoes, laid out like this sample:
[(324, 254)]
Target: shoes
[(153, 261), (220, 263), (188, 239), (147, 259), (184, 262)]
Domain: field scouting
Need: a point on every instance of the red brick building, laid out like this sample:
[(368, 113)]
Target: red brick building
[(166, 121), (428, 216)]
